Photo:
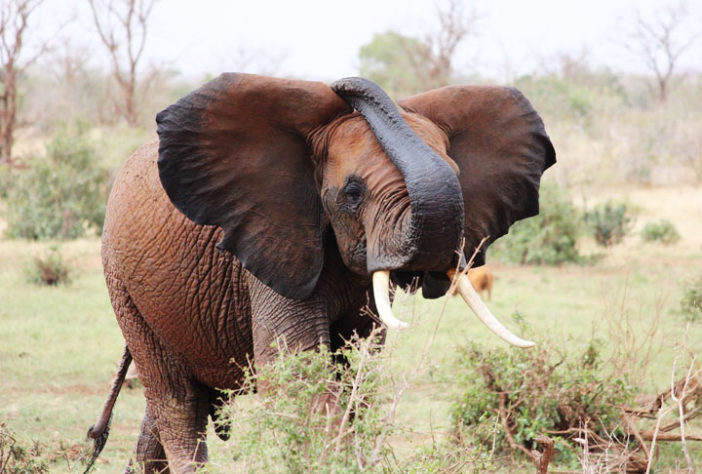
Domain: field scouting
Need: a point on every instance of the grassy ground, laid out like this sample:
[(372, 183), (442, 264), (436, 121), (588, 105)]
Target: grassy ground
[(60, 346)]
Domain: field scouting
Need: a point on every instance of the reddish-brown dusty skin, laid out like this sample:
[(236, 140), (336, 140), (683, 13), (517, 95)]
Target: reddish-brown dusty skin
[(302, 199)]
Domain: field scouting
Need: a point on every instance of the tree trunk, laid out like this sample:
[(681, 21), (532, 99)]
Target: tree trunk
[(7, 117)]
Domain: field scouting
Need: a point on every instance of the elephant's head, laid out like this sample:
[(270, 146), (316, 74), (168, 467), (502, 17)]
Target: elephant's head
[(282, 166)]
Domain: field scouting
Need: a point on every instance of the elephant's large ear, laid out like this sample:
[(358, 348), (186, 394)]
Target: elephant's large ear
[(502, 149), (234, 154)]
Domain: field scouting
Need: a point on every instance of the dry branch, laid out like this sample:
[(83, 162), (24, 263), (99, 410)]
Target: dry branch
[(122, 28), (14, 21), (661, 41), (504, 419), (543, 459), (649, 436)]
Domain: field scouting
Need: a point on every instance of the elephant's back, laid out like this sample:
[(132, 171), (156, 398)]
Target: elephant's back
[(142, 227), (192, 295)]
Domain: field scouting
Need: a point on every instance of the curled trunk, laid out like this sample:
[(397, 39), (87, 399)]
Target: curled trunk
[(436, 200)]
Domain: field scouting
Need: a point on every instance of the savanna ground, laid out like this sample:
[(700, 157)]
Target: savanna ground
[(615, 138), (59, 346)]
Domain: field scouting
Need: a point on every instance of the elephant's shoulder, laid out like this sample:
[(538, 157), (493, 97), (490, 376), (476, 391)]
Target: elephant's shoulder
[(139, 174), (143, 159), (137, 202)]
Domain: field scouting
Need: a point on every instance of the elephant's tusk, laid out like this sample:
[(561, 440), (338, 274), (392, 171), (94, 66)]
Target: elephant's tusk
[(470, 296), (381, 293)]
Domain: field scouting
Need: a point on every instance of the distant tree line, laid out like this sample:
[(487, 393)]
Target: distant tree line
[(121, 26), (402, 64)]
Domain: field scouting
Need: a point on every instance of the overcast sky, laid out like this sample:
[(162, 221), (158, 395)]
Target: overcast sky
[(320, 39)]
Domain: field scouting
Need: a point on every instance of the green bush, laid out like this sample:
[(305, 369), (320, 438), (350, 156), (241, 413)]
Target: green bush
[(662, 231), (558, 97), (5, 181), (691, 303), (609, 222), (509, 397), (288, 428), (548, 238), (61, 195), (49, 269)]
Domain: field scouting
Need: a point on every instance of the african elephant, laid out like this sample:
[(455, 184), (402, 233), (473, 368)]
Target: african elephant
[(276, 208)]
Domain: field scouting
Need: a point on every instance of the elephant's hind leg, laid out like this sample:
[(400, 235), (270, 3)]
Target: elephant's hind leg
[(182, 426), (176, 417), (150, 455)]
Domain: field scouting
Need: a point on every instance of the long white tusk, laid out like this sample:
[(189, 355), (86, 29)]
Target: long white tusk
[(381, 293), (470, 296)]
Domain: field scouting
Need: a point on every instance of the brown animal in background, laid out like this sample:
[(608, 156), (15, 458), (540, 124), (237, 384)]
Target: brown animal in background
[(481, 278)]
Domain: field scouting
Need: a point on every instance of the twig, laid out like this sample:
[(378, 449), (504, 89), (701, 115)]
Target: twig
[(648, 435), (681, 414), (688, 416), (662, 411), (637, 434), (505, 424), (543, 459), (352, 398)]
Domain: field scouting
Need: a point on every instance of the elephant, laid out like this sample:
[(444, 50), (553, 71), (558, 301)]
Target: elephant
[(275, 208)]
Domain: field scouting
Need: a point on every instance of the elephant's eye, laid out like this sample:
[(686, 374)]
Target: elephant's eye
[(353, 192)]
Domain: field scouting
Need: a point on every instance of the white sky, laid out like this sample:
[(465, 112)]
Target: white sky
[(318, 39)]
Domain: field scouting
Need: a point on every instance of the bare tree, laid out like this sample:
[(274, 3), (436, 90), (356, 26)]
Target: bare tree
[(433, 63), (14, 20), (661, 41), (68, 61), (456, 23), (122, 27), (406, 65)]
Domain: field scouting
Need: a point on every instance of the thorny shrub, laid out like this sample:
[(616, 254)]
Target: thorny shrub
[(49, 269), (548, 238), (609, 222), (15, 458), (61, 194), (662, 231), (315, 412), (691, 302), (508, 397)]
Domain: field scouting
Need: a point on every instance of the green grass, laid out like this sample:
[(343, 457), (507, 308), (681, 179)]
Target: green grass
[(59, 346), (58, 349)]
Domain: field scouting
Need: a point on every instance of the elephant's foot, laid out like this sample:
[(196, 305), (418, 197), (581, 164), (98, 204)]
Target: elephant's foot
[(150, 456), (182, 426)]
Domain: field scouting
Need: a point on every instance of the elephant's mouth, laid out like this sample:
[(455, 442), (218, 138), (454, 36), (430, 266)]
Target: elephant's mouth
[(458, 280)]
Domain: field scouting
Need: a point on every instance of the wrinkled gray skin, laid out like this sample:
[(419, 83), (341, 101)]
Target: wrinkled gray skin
[(305, 204)]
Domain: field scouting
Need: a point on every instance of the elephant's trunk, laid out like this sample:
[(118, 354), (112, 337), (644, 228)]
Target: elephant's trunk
[(436, 200)]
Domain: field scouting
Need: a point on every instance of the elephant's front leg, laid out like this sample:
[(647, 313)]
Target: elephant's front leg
[(300, 324)]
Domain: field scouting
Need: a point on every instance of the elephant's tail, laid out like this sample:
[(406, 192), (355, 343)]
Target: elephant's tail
[(101, 430)]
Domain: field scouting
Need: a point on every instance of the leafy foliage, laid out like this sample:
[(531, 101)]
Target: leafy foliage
[(662, 231), (573, 93), (609, 222), (691, 303), (561, 97), (314, 413), (49, 269), (507, 398), (548, 238), (390, 60), (61, 195)]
